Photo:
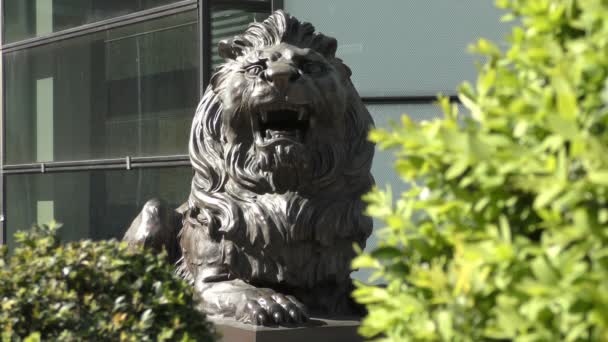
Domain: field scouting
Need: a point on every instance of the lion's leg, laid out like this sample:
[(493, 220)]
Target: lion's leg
[(156, 227), (214, 269)]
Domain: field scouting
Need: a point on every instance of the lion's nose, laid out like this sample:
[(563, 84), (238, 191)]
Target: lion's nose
[(280, 74)]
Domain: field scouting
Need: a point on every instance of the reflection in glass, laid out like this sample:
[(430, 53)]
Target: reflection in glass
[(33, 18), (127, 91), (91, 204), (226, 23)]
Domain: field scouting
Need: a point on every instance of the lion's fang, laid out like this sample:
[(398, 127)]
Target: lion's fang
[(264, 116)]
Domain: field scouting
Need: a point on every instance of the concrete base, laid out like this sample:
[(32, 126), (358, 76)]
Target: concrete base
[(316, 330)]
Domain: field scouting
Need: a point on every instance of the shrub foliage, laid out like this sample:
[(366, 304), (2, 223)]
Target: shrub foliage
[(503, 233), (93, 291)]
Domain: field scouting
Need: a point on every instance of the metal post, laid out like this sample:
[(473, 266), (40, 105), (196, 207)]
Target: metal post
[(276, 4), (2, 137), (204, 24)]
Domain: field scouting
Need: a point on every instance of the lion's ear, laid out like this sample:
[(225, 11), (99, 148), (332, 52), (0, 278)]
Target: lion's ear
[(232, 48)]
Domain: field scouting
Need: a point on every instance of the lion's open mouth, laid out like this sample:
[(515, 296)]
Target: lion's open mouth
[(281, 122)]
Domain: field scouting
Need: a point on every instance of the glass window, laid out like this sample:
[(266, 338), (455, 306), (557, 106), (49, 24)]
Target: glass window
[(34, 18), (227, 23), (398, 47), (91, 204), (126, 91)]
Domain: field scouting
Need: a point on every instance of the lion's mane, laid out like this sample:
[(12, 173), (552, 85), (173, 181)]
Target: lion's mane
[(298, 238)]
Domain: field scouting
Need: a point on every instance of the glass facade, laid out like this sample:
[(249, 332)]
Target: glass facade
[(90, 204), (34, 18), (126, 91)]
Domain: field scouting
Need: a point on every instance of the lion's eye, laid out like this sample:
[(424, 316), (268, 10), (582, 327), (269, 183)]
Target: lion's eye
[(254, 70), (312, 68)]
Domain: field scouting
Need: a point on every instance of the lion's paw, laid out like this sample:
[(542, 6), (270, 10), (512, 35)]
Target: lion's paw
[(272, 309)]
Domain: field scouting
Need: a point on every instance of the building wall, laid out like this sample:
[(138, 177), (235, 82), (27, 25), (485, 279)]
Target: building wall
[(92, 87)]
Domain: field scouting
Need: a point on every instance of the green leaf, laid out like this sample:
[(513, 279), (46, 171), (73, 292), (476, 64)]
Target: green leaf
[(543, 271), (33, 337), (566, 98), (365, 261), (386, 252), (548, 194), (565, 127), (444, 322), (456, 169), (486, 81), (505, 229), (598, 177)]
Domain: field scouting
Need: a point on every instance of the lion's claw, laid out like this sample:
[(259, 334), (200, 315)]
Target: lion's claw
[(275, 309)]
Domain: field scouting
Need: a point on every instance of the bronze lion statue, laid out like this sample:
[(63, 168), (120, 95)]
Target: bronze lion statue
[(281, 159)]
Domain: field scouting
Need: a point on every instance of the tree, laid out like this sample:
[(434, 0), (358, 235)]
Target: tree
[(503, 233)]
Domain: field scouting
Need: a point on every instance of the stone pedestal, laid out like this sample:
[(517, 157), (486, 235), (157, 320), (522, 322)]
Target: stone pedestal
[(316, 330)]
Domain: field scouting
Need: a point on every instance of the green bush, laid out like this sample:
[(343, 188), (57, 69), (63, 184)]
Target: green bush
[(93, 291), (504, 231)]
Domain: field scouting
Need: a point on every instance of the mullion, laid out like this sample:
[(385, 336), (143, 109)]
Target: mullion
[(2, 135), (103, 25), (204, 26), (99, 164), (276, 4), (414, 99), (123, 167), (254, 6)]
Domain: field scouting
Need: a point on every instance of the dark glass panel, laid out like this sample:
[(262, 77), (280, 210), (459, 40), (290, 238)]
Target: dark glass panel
[(226, 23), (91, 204), (127, 91), (33, 18)]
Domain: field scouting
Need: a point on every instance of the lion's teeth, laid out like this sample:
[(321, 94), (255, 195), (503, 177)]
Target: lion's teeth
[(264, 116), (301, 114)]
